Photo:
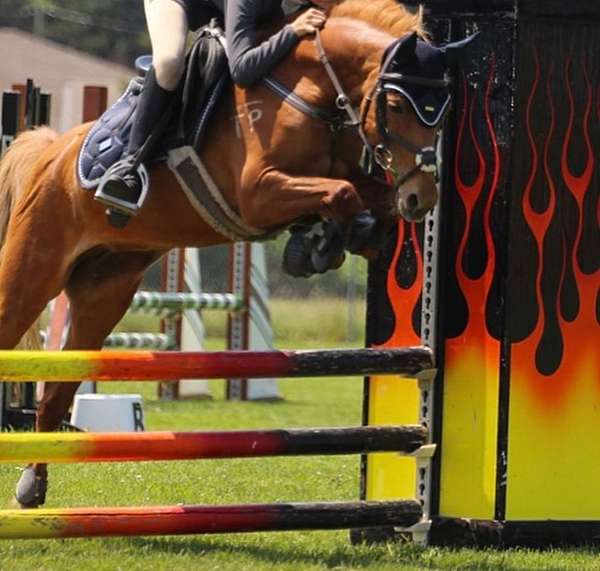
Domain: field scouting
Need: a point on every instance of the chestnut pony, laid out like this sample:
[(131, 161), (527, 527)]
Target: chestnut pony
[(56, 237)]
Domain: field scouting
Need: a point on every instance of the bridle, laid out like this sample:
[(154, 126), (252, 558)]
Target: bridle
[(376, 160)]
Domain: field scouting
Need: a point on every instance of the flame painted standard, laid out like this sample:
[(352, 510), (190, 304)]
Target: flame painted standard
[(149, 446), (75, 366), (513, 264)]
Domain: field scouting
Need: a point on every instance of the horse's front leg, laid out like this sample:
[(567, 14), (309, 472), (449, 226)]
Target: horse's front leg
[(277, 199), (370, 230)]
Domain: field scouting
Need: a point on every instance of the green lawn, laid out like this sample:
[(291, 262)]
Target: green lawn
[(308, 402), (311, 322)]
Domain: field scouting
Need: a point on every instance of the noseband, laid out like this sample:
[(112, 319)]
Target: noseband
[(376, 160)]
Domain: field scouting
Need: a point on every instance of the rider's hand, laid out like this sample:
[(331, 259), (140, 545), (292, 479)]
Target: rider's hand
[(309, 22)]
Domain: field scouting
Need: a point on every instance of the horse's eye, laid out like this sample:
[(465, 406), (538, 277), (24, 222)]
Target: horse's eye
[(396, 108)]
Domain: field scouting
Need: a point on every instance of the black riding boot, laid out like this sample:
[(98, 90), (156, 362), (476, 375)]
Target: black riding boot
[(121, 186)]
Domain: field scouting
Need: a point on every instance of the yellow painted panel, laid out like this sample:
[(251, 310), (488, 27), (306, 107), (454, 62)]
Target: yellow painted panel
[(392, 401), (469, 431), (554, 446)]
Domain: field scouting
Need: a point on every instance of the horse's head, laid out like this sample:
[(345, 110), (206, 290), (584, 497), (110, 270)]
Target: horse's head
[(405, 113)]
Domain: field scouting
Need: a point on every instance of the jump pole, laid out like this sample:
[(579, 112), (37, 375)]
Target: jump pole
[(168, 303), (74, 366), (65, 447), (180, 520)]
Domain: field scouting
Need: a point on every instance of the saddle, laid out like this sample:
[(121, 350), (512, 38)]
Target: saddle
[(206, 78)]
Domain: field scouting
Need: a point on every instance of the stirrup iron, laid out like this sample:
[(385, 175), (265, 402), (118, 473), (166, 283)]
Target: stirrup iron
[(122, 205)]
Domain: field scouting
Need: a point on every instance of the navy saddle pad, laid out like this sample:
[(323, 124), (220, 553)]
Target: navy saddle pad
[(206, 78)]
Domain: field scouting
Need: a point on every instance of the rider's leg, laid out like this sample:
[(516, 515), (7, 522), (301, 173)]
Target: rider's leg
[(168, 27)]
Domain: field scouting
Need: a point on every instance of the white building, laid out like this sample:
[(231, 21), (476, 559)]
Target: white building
[(59, 70)]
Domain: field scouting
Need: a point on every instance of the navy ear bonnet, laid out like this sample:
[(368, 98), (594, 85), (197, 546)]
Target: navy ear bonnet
[(418, 71)]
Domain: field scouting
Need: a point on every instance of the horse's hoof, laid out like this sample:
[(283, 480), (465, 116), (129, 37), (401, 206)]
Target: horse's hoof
[(366, 233), (328, 252), (324, 261), (31, 489), (296, 257)]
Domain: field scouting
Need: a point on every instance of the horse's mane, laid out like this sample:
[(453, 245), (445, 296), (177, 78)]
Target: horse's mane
[(387, 15)]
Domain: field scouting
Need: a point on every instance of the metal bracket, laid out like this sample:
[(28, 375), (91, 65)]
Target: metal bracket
[(426, 376), (419, 531), (426, 452)]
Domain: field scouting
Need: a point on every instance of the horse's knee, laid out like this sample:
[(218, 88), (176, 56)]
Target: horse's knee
[(343, 202)]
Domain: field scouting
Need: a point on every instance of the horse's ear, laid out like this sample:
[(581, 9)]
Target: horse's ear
[(401, 51), (406, 46), (456, 52)]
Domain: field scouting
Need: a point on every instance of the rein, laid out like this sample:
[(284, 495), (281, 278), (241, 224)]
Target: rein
[(376, 161)]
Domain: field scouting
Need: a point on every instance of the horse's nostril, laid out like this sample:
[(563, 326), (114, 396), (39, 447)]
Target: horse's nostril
[(412, 202)]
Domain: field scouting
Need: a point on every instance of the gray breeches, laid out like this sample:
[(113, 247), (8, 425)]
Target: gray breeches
[(168, 28)]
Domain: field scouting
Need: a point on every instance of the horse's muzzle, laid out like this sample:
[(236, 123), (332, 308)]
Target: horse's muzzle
[(410, 207)]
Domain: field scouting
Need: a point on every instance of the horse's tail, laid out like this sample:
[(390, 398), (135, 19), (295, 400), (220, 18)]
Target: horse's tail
[(14, 169)]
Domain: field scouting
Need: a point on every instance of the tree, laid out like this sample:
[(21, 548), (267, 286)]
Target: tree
[(109, 29)]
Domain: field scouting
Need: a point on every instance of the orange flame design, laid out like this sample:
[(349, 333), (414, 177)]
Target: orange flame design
[(579, 357), (405, 298), (476, 340)]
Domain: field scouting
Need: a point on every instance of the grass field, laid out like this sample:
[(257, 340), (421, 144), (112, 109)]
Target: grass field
[(295, 322), (309, 402)]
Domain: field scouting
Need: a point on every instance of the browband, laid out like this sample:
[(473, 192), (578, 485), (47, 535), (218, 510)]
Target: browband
[(413, 79)]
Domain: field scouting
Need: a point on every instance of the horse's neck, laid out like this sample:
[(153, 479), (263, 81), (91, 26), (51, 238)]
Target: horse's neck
[(355, 50)]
